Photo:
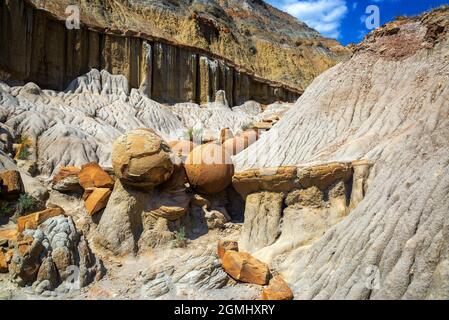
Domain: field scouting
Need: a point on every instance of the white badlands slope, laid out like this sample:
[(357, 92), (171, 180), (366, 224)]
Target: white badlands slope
[(78, 126), (388, 104)]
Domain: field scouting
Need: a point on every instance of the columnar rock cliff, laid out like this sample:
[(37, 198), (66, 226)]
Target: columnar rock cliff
[(250, 33), (36, 46)]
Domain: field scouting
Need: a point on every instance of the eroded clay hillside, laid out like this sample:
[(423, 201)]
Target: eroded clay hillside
[(361, 178), (250, 33)]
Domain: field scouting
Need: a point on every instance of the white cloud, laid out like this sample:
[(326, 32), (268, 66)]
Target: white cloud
[(323, 15)]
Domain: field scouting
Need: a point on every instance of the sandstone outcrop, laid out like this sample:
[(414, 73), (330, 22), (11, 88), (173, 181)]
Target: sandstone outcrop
[(142, 159), (121, 223), (32, 221), (209, 168), (283, 179), (46, 257), (12, 185)]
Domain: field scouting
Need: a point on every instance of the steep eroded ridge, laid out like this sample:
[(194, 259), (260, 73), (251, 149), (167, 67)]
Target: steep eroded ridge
[(388, 105)]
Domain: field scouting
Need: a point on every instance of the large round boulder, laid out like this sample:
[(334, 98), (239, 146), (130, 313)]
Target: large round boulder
[(209, 168), (141, 158)]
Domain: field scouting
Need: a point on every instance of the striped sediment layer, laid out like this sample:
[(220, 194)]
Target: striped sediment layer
[(36, 46)]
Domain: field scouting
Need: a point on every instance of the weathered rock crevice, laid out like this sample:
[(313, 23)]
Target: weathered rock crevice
[(35, 46)]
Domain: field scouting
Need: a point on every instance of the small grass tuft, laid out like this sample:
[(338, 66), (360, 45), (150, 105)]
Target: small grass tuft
[(25, 204), (180, 240)]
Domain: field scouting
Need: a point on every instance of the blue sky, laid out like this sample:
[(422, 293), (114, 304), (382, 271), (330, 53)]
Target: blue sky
[(345, 20)]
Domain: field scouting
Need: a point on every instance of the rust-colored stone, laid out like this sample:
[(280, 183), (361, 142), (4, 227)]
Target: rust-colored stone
[(268, 179), (24, 245), (282, 179), (209, 168), (12, 185), (65, 172), (32, 221), (3, 263), (93, 176), (8, 234), (177, 180), (97, 200), (277, 289), (245, 268), (225, 245)]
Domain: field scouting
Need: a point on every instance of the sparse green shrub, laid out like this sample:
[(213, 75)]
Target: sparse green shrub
[(189, 134), (193, 134), (6, 209), (24, 153), (180, 238), (25, 204)]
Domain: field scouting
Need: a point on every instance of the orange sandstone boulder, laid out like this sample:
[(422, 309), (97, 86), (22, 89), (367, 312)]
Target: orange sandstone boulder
[(3, 264), (177, 181), (277, 289), (65, 172), (32, 221), (12, 185), (8, 234), (66, 180), (97, 200), (225, 245), (141, 158), (93, 176), (209, 168), (245, 268)]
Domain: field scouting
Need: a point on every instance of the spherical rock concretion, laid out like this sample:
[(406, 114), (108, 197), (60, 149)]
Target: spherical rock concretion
[(141, 158), (209, 168)]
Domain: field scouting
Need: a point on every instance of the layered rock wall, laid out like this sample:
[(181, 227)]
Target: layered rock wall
[(36, 46)]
